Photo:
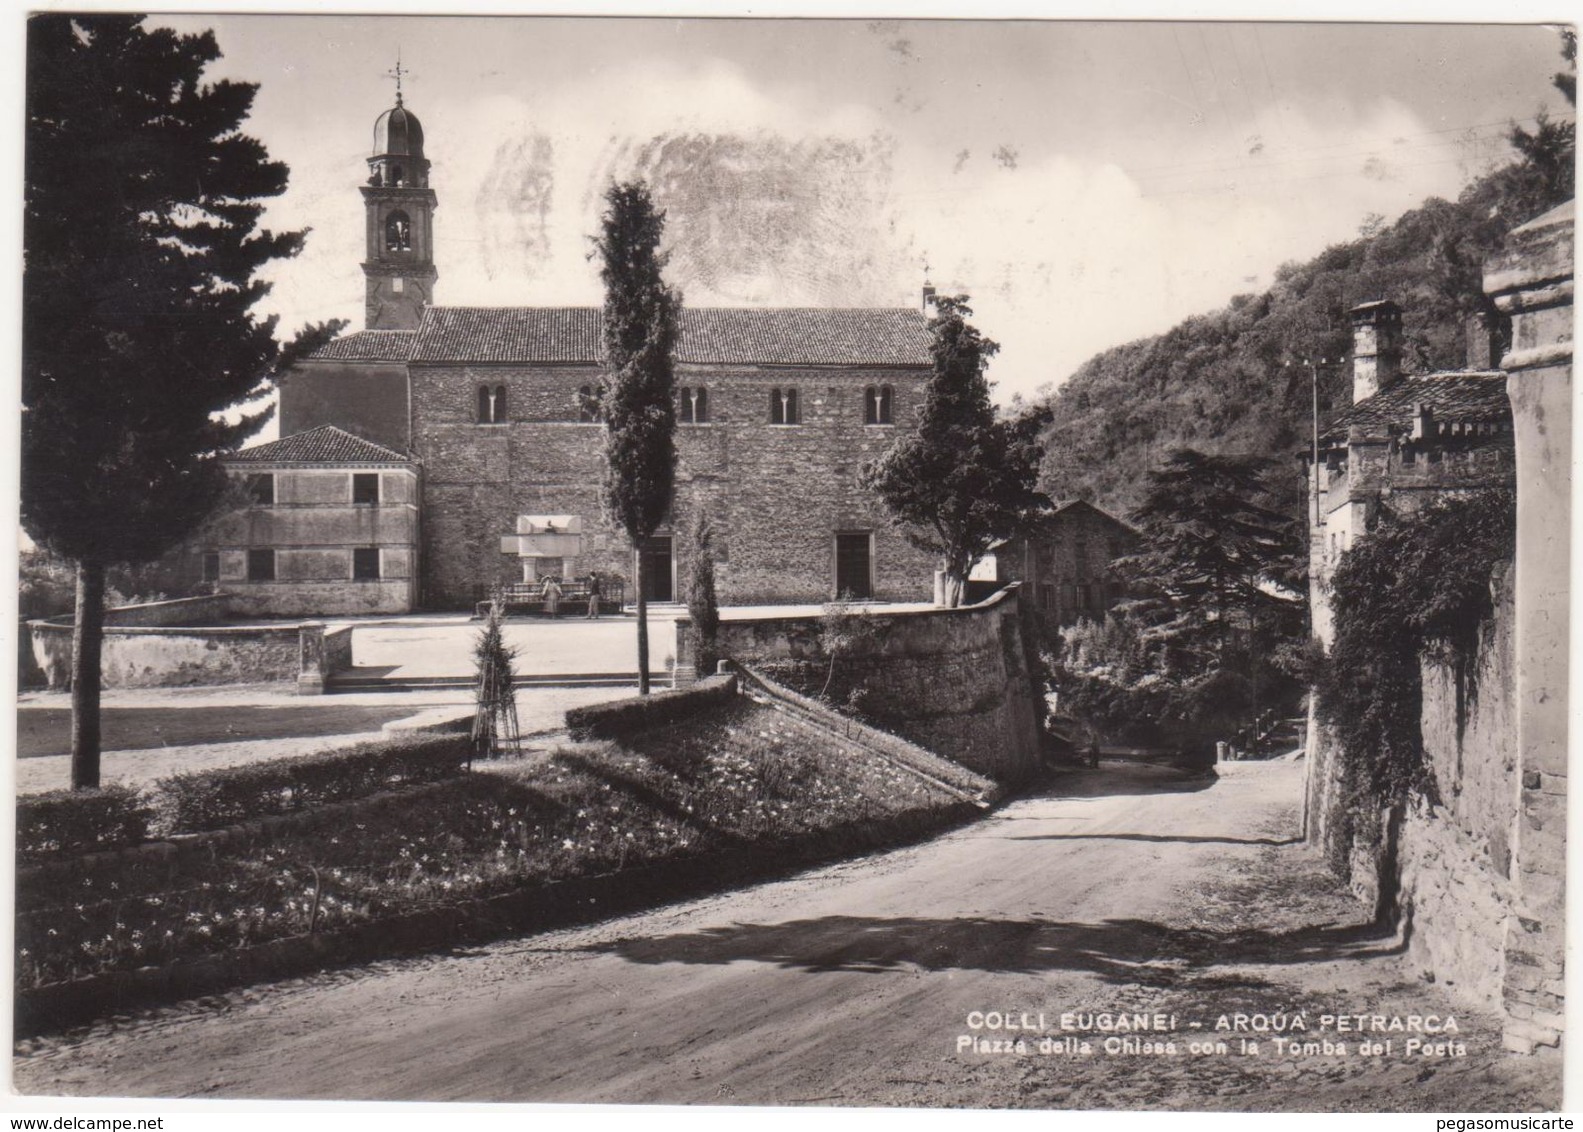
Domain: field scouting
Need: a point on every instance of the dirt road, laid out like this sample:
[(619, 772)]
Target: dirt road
[(1121, 890)]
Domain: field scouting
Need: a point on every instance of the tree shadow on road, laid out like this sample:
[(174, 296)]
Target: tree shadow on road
[(1119, 951)]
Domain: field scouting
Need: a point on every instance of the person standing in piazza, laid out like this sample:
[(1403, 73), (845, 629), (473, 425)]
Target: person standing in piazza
[(594, 594), (552, 596)]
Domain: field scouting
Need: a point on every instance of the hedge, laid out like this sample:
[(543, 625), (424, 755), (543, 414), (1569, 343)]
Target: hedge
[(69, 822), (213, 799), (620, 718)]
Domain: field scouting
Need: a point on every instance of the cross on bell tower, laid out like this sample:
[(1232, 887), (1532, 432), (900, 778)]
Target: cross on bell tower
[(399, 266)]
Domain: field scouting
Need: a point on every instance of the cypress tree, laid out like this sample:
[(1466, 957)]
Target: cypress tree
[(638, 402)]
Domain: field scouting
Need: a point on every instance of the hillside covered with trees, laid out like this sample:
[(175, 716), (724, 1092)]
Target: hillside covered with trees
[(1233, 381)]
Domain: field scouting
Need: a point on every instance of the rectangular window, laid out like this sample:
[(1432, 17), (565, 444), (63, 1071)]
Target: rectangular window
[(261, 565), (261, 488), (365, 564), (365, 487), (211, 565)]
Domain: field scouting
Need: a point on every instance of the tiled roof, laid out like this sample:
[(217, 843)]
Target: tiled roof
[(1061, 506), (367, 346), (546, 335), (1461, 397), (508, 334), (837, 337), (323, 445)]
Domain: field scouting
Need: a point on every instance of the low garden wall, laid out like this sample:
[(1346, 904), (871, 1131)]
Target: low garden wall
[(955, 681), (163, 644), (205, 610), (137, 657)]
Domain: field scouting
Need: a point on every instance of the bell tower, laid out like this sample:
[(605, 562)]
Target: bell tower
[(399, 267)]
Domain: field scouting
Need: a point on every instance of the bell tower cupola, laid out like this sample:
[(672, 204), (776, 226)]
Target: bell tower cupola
[(399, 267)]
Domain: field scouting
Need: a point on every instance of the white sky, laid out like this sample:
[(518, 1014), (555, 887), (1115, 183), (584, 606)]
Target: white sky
[(1086, 183)]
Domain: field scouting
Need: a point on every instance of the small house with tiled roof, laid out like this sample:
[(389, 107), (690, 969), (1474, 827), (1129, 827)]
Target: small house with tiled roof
[(329, 528), (777, 410), (1063, 560), (1405, 440)]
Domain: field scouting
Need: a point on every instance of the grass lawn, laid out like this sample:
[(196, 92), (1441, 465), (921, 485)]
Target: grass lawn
[(42, 732), (743, 776)]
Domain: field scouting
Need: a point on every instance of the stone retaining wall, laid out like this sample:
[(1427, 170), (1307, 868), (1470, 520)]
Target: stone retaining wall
[(954, 681), (1456, 861)]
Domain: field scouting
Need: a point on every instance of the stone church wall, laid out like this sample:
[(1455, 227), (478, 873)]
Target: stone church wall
[(776, 495), (367, 399)]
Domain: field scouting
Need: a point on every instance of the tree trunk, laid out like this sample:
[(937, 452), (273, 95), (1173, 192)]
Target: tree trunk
[(643, 624), (87, 644), (953, 583)]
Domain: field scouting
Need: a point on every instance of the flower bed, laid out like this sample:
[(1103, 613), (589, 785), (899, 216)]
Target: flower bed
[(744, 776)]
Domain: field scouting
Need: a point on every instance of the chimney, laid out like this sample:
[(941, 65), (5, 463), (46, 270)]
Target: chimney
[(928, 298), (1376, 348), (1485, 338), (1423, 421)]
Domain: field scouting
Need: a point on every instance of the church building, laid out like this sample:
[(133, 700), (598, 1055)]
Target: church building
[(442, 451)]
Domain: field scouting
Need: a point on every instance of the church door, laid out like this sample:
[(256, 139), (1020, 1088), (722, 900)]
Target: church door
[(854, 566), (659, 582)]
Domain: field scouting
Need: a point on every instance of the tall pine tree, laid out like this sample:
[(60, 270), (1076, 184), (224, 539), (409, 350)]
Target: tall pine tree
[(965, 478), (1210, 550), (142, 252), (638, 403)]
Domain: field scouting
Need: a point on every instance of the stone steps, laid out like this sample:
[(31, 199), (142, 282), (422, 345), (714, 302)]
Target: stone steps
[(345, 683)]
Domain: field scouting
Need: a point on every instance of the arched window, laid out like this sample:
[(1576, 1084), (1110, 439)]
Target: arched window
[(398, 232), (783, 407), (876, 404), (587, 406), (491, 404), (398, 176), (694, 405)]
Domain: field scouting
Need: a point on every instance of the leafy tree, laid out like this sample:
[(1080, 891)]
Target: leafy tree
[(142, 249), (640, 324), (1567, 81), (1549, 164), (965, 478), (702, 606)]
